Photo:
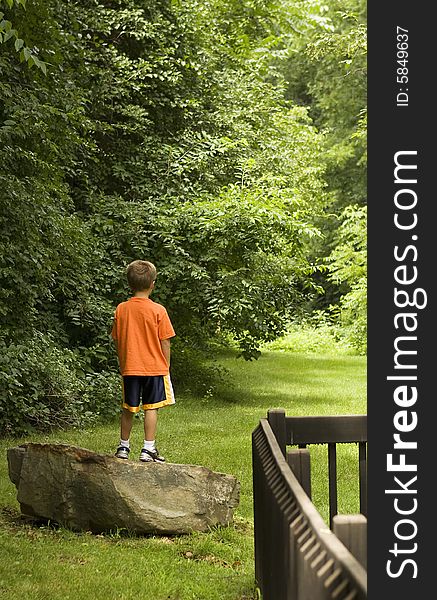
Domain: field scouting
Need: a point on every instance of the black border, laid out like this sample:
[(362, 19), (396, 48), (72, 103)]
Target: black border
[(392, 129)]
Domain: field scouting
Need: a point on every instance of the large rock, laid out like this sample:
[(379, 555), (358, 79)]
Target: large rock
[(83, 490)]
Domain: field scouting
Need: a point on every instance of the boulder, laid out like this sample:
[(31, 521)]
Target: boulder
[(84, 490)]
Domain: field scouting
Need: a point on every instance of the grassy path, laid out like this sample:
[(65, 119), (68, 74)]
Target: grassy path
[(48, 563)]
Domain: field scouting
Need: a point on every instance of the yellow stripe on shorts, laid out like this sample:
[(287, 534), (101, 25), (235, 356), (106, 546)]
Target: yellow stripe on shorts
[(169, 395)]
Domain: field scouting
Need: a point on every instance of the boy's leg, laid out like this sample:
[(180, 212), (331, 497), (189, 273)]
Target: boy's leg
[(149, 451), (153, 394), (126, 424), (125, 429), (130, 406), (150, 424)]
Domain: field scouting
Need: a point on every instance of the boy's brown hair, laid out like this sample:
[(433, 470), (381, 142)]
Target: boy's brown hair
[(140, 275)]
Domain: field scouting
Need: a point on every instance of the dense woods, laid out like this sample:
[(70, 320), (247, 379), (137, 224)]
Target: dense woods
[(223, 140)]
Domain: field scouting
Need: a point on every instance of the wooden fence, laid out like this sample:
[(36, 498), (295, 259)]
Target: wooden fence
[(297, 556)]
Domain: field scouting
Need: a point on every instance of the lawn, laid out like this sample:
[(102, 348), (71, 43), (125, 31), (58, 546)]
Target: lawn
[(46, 562)]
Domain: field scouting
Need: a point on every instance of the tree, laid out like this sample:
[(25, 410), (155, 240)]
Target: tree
[(328, 72), (151, 136), (347, 267)]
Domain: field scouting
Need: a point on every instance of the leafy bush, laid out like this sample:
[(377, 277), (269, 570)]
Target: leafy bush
[(39, 388), (102, 395), (317, 335), (43, 387), (354, 316), (196, 370), (347, 265)]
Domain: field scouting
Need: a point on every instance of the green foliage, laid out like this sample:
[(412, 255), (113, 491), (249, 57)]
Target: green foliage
[(320, 334), (8, 32), (341, 108), (348, 266), (44, 387), (161, 131), (328, 73), (39, 388)]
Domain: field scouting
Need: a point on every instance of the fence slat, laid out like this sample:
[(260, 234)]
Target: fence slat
[(332, 464), (322, 430), (362, 458), (300, 463)]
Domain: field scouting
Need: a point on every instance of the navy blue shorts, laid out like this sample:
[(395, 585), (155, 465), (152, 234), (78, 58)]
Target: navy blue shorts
[(150, 391)]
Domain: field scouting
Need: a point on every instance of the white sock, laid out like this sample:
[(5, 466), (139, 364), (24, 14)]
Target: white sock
[(124, 443), (149, 445)]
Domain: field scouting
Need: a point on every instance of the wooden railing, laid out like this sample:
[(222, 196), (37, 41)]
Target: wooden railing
[(297, 556)]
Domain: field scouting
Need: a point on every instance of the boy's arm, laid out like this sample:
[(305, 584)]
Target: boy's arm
[(165, 345)]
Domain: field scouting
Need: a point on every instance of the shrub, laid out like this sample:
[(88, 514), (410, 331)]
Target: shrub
[(347, 265), (44, 386), (318, 334), (39, 387)]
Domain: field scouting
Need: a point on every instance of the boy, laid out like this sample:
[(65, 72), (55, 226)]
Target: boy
[(141, 331)]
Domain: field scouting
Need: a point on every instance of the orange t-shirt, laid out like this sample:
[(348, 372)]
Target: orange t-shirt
[(139, 326)]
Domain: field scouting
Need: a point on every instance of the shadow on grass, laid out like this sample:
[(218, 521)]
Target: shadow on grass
[(11, 517), (278, 379)]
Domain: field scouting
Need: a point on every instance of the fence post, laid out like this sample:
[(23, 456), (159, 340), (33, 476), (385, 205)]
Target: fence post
[(276, 419), (351, 530)]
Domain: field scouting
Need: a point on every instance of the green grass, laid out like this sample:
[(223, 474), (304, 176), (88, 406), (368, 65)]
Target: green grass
[(50, 563), (309, 339)]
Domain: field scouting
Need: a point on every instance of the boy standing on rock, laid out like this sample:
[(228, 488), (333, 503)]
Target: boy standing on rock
[(141, 331)]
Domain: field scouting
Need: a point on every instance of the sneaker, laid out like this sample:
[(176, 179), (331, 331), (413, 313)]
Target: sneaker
[(122, 452), (151, 456)]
